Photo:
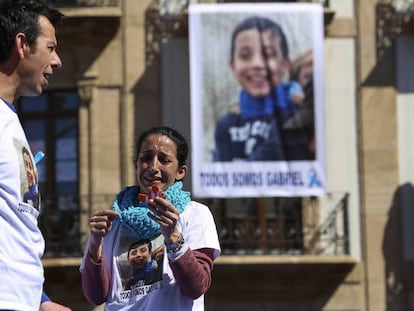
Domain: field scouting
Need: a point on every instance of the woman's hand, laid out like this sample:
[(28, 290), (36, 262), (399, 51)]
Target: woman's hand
[(166, 215), (100, 224)]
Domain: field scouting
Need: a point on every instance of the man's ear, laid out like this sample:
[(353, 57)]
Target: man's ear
[(181, 172), (21, 44)]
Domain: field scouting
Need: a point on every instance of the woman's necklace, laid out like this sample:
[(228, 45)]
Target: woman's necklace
[(133, 214)]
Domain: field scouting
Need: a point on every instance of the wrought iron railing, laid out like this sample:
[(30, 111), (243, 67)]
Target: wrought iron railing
[(63, 222), (285, 226), (293, 226)]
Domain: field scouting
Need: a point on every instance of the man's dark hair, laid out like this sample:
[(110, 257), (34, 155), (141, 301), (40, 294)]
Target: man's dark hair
[(22, 16)]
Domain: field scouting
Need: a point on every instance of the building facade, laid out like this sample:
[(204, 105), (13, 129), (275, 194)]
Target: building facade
[(126, 69)]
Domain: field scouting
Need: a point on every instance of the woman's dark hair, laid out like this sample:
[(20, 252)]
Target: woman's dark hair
[(175, 136), (22, 16), (262, 24)]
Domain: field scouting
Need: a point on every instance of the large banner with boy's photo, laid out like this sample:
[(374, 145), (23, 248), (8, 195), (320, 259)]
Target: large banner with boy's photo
[(257, 118)]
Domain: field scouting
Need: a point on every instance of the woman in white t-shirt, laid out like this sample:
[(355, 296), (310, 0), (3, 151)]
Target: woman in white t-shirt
[(159, 210)]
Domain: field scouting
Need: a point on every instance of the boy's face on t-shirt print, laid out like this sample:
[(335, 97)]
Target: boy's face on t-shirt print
[(258, 63), (30, 173), (139, 256)]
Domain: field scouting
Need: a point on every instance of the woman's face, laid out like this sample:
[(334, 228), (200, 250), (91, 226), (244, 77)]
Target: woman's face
[(157, 163), (258, 64)]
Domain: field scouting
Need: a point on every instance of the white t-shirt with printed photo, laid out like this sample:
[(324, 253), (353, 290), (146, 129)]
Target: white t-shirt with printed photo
[(199, 231), (21, 242)]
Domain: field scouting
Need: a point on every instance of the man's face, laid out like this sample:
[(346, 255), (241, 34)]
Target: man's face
[(258, 64), (39, 60), (139, 256)]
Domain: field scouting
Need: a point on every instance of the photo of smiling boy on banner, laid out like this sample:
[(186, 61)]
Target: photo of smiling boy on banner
[(256, 99)]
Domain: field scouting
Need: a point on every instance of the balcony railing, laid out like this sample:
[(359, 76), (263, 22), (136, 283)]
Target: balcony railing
[(64, 222), (287, 226), (284, 226)]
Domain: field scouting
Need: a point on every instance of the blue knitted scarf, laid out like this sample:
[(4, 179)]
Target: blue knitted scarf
[(133, 214)]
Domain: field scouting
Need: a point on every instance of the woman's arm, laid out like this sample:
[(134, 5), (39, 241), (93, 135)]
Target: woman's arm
[(95, 278), (191, 268), (95, 281), (53, 306), (192, 271)]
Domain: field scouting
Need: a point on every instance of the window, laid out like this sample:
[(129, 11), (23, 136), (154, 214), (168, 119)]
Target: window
[(51, 125)]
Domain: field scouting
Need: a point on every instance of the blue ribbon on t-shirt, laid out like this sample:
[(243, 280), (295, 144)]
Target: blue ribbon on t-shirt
[(313, 179)]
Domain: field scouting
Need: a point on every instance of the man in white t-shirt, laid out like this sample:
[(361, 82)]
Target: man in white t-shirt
[(27, 60)]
